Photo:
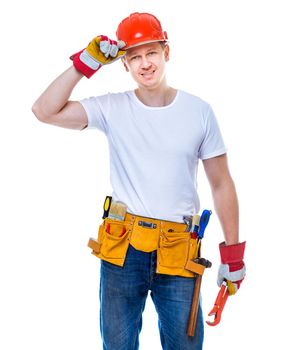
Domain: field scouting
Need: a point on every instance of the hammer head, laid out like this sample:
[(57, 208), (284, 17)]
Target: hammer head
[(203, 261)]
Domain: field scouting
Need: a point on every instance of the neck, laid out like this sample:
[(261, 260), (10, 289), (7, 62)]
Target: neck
[(159, 96)]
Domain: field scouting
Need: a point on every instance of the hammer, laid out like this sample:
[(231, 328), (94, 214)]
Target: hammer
[(200, 264)]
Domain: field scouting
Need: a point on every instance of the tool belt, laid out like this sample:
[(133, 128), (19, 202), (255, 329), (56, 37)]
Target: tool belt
[(176, 249)]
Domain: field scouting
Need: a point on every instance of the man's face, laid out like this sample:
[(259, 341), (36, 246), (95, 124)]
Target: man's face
[(146, 63)]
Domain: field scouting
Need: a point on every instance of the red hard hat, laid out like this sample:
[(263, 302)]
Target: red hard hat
[(140, 28)]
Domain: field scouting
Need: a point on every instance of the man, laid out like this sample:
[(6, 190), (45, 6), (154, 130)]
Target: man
[(156, 135)]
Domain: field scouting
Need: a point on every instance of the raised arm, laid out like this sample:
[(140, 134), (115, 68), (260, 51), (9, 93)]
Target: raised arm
[(53, 106)]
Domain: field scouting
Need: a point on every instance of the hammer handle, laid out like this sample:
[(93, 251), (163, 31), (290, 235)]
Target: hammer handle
[(194, 308)]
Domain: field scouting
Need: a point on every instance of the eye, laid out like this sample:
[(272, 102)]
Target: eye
[(151, 53), (133, 58)]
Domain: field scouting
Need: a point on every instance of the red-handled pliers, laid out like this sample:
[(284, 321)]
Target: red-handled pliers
[(219, 305)]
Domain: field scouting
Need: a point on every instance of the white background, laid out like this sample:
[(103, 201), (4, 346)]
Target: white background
[(234, 54)]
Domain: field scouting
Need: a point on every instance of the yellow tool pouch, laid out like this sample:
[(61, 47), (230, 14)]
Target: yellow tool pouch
[(175, 251), (112, 242), (175, 247)]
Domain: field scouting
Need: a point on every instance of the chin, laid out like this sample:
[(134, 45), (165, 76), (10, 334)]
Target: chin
[(150, 84)]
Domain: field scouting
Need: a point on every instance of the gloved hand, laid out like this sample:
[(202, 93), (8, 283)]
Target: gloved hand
[(232, 268), (100, 51)]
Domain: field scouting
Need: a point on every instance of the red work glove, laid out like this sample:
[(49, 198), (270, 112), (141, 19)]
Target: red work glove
[(100, 51), (232, 268)]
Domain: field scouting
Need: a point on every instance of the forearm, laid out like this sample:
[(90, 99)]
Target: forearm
[(226, 206), (56, 96)]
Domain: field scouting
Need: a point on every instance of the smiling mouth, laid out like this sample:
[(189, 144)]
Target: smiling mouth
[(148, 74)]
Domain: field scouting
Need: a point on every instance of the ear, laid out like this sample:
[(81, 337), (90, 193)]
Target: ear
[(125, 64), (166, 53)]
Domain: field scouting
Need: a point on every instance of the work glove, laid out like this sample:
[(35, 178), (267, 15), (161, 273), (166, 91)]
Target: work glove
[(100, 51), (232, 268)]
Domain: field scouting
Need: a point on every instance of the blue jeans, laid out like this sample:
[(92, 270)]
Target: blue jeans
[(123, 293)]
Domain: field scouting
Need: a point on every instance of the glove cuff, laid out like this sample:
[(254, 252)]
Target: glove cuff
[(231, 253), (83, 67)]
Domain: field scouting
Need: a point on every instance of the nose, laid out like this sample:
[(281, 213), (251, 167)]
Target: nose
[(145, 63)]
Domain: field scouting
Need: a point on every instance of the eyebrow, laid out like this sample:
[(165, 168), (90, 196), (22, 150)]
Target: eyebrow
[(135, 53)]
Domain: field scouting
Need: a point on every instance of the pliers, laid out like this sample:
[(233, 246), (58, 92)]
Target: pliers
[(219, 305)]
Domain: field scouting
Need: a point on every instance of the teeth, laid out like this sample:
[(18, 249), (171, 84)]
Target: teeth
[(146, 74)]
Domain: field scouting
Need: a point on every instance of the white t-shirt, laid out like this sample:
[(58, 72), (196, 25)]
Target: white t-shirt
[(155, 151)]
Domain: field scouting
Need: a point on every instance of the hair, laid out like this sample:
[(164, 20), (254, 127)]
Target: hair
[(163, 44)]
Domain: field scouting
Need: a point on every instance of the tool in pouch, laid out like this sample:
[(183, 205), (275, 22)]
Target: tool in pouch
[(116, 211), (106, 206), (198, 266), (113, 211)]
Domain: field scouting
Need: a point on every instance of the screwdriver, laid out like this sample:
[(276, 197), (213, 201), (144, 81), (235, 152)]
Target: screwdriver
[(106, 206), (204, 220)]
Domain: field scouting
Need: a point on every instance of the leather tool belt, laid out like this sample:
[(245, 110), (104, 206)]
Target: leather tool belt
[(175, 247)]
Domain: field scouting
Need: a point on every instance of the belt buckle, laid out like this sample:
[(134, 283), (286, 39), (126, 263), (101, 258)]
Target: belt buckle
[(146, 224)]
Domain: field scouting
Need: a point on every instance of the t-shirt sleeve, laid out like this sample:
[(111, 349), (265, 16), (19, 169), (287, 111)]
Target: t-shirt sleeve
[(97, 110), (212, 144)]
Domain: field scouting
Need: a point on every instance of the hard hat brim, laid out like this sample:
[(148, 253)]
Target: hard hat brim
[(143, 43)]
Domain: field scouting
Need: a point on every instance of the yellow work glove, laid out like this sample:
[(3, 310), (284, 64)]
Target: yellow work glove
[(100, 51)]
